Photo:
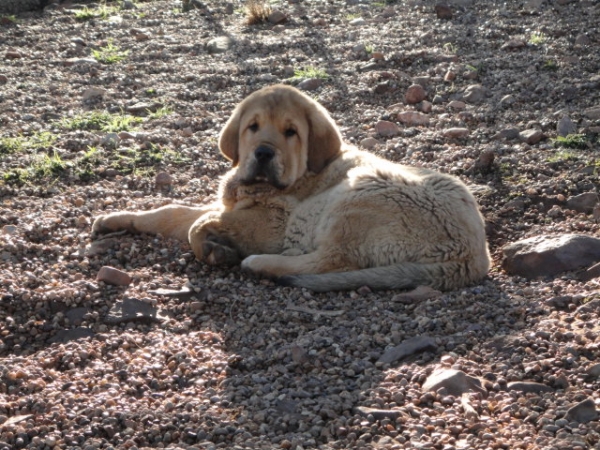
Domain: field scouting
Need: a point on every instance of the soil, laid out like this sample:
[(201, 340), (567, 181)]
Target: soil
[(115, 106)]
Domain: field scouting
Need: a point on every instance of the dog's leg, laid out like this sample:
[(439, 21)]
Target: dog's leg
[(170, 221), (226, 238)]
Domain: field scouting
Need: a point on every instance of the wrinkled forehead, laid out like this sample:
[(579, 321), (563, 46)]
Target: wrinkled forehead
[(274, 108)]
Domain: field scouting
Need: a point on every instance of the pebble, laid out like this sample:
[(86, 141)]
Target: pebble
[(369, 143), (93, 92), (565, 126), (387, 128), (456, 133), (219, 44), (277, 17), (415, 94), (453, 382), (457, 104), (532, 136), (582, 412), (413, 118), (162, 179), (310, 84), (110, 275), (359, 21), (474, 94), (443, 11), (592, 113)]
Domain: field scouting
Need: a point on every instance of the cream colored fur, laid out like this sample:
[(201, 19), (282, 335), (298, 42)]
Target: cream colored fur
[(304, 208)]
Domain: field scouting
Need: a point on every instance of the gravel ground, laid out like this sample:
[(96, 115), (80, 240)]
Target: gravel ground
[(188, 356)]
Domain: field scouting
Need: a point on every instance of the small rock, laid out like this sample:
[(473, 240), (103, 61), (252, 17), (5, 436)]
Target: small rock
[(549, 255), (454, 382), (163, 179), (386, 128), (592, 113), (415, 94), (456, 133), (142, 108), (113, 276), (531, 137), (299, 355), (357, 22), (93, 92), (13, 54), (474, 94), (9, 229), (508, 134), (126, 135), (560, 301), (457, 104), (426, 107), (413, 118), (276, 17), (582, 40), (369, 143), (3, 79), (565, 126), (485, 161), (583, 203), (407, 348), (110, 140), (594, 371), (528, 387), (443, 11), (310, 84), (582, 412), (219, 44), (514, 44), (450, 76)]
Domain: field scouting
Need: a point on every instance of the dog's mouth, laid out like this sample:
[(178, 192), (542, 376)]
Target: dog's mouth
[(263, 177), (262, 169)]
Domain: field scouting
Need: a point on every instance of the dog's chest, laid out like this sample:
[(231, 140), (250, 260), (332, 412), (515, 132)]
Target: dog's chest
[(309, 221)]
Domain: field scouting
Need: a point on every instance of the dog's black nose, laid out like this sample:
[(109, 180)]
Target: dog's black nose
[(264, 154)]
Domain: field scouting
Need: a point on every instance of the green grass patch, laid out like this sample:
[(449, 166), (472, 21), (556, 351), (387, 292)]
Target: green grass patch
[(160, 112), (36, 141), (103, 12), (309, 72), (101, 121), (537, 38), (571, 141), (562, 156), (110, 54)]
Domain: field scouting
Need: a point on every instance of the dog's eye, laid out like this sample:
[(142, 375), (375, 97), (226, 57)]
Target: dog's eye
[(290, 132), (253, 127)]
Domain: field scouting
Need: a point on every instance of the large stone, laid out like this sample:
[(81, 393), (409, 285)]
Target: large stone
[(413, 118), (565, 126), (550, 255), (409, 347), (582, 412), (453, 382), (474, 94)]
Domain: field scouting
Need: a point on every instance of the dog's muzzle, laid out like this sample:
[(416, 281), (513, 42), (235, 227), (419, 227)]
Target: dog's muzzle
[(264, 154)]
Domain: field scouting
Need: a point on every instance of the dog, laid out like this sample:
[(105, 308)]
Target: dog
[(304, 208)]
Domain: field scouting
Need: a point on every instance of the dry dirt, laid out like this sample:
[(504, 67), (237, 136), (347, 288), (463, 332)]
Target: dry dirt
[(235, 362)]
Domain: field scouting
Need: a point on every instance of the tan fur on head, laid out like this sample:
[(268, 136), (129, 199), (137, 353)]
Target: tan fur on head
[(282, 108)]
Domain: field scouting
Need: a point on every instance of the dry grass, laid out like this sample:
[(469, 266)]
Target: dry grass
[(257, 11)]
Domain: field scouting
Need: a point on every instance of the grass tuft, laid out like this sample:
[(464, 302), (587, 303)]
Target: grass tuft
[(111, 54), (257, 12)]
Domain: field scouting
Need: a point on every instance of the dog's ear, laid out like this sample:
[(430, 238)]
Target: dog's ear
[(324, 138), (230, 136)]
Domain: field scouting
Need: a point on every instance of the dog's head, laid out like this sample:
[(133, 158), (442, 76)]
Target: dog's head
[(277, 134)]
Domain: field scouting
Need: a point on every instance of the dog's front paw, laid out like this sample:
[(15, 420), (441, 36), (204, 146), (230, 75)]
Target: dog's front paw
[(108, 223), (217, 254)]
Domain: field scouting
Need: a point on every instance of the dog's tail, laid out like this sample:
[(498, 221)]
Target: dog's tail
[(443, 276)]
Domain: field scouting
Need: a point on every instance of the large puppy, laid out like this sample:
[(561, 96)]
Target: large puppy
[(302, 207)]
